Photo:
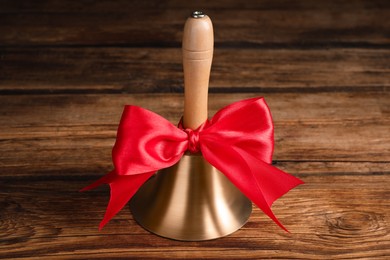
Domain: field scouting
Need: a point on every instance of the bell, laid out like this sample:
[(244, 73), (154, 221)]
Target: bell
[(192, 201)]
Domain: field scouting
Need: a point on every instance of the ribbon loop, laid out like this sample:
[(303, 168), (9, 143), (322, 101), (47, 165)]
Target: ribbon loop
[(238, 141)]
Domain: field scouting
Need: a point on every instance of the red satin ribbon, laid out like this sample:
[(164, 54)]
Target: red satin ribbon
[(238, 141)]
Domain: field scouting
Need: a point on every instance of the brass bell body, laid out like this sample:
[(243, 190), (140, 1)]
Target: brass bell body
[(190, 201)]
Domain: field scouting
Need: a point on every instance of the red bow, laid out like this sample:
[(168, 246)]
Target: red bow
[(238, 141)]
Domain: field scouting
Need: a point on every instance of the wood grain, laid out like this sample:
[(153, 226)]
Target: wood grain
[(135, 70), (67, 69), (265, 23), (342, 220), (68, 135), (84, 6)]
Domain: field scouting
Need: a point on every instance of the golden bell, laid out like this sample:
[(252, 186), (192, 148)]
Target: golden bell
[(190, 201)]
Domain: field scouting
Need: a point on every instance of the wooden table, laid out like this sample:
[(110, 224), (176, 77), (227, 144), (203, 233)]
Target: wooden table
[(67, 69)]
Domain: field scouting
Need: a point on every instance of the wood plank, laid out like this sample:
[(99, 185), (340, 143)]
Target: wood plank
[(88, 149), (87, 6), (42, 134), (146, 70), (347, 218), (304, 23)]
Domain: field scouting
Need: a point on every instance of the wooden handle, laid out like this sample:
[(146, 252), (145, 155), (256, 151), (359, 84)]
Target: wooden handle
[(198, 45)]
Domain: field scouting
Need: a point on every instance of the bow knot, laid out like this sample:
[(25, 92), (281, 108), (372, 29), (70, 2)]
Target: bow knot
[(193, 140), (238, 141)]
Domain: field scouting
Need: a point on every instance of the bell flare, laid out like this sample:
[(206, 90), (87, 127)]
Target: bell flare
[(190, 201)]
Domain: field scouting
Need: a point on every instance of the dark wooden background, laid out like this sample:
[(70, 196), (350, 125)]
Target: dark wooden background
[(67, 68)]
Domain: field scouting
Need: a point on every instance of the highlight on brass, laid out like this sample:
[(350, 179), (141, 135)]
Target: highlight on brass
[(190, 201)]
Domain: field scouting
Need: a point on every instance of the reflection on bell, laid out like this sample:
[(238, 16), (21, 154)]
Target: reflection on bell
[(190, 201)]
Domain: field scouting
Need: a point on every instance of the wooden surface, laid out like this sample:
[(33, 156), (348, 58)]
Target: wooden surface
[(67, 69)]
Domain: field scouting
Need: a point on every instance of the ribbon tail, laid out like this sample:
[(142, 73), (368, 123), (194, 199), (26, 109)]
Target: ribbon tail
[(122, 189), (103, 180), (272, 184), (260, 182)]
